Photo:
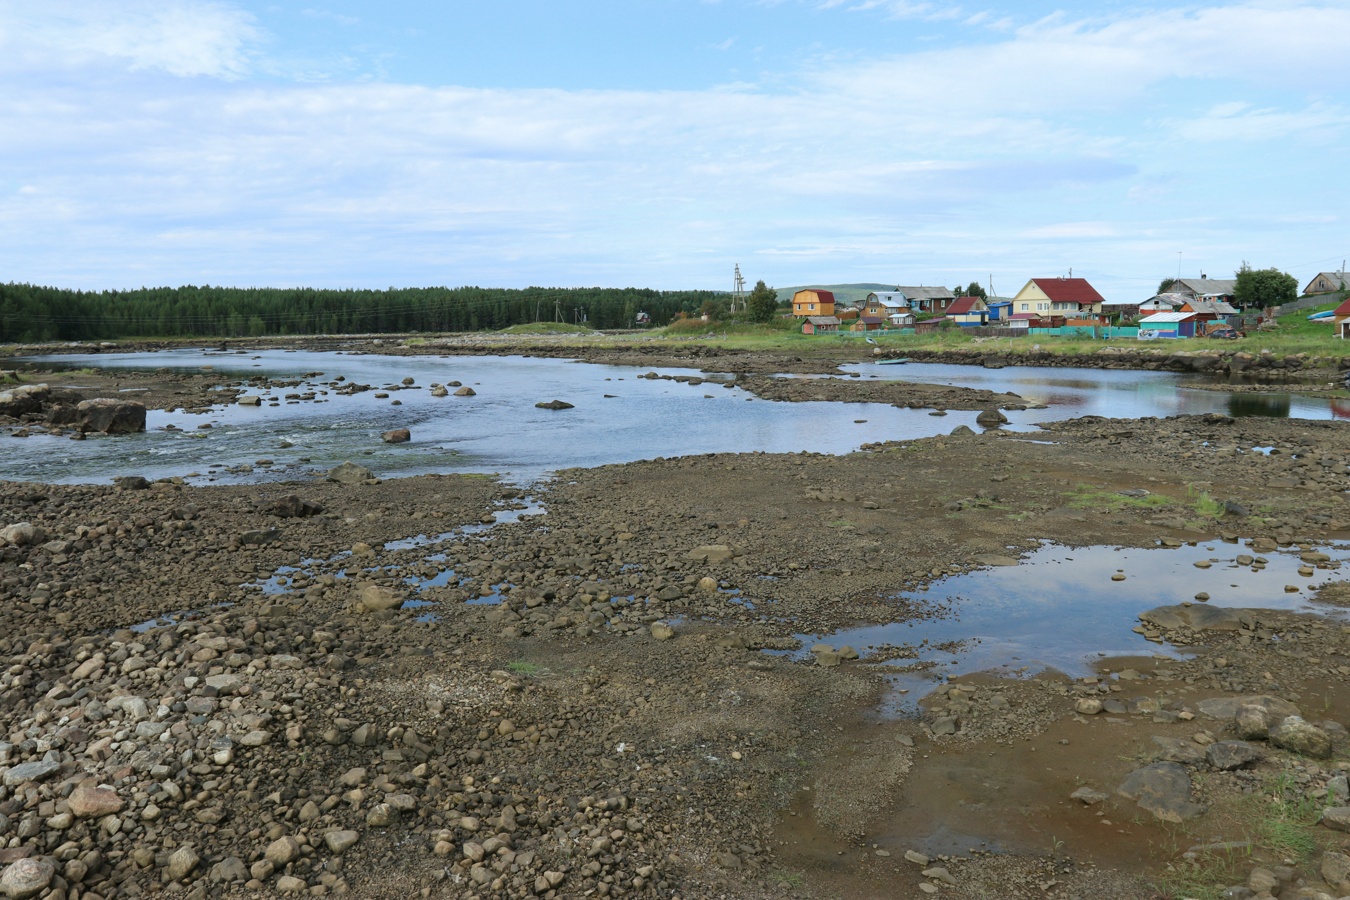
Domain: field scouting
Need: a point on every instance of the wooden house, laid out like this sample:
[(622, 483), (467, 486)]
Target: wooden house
[(820, 325), (935, 300), (1340, 317), (869, 323), (1069, 298), (812, 302), (1168, 325), (1327, 283), (968, 312)]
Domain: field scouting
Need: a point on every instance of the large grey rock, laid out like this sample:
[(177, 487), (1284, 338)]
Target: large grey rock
[(22, 534), (107, 415), (24, 400), (27, 877), (1304, 738), (1229, 755), (374, 598), (282, 850), (292, 507), (182, 863), (554, 404), (1337, 817), (1227, 707), (991, 418), (31, 771), (1198, 617), (350, 473), (1336, 871), (1163, 789)]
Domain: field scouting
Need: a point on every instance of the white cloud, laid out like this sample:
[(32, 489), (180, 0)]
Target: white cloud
[(181, 37)]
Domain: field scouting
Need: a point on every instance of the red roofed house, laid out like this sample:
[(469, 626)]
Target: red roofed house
[(1068, 298), (1340, 316), (812, 303), (968, 312)]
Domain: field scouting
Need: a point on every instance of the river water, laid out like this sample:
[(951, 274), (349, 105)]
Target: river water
[(618, 416)]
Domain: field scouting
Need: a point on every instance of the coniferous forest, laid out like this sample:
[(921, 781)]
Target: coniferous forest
[(30, 313)]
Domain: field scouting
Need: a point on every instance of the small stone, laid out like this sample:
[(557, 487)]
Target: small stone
[(340, 842), (1337, 817), (289, 884), (916, 857), (1088, 706), (282, 850), (91, 800)]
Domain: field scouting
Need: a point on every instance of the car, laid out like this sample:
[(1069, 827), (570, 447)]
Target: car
[(1227, 334)]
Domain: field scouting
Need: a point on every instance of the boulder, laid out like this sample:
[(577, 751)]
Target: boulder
[(27, 877), (397, 436), (1163, 789), (991, 418), (662, 632), (350, 473), (554, 404), (1337, 817), (24, 400), (374, 598), (106, 415), (1301, 737), (22, 534), (292, 507), (1336, 871), (1230, 755), (90, 800), (466, 391), (1197, 618)]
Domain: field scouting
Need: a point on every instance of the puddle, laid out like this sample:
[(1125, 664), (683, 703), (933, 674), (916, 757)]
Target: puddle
[(1060, 610)]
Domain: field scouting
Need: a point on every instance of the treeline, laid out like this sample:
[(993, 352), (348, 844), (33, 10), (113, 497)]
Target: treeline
[(31, 313)]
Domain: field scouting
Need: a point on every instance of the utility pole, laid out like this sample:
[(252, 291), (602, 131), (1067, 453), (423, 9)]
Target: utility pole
[(738, 289)]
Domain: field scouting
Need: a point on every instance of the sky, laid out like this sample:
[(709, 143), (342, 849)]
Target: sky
[(660, 143)]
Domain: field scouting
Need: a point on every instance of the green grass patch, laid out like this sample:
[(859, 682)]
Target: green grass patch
[(1288, 819), (1085, 496), (1204, 505), (522, 667), (547, 328)]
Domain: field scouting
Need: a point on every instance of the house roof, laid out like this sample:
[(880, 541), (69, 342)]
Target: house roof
[(965, 305), (822, 320), (925, 293), (892, 297), (1170, 299), (1207, 287), (1163, 318), (871, 320), (1342, 310), (1333, 277), (822, 296), (1212, 307), (1069, 290)]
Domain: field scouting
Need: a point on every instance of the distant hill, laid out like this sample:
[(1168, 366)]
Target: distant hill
[(843, 293)]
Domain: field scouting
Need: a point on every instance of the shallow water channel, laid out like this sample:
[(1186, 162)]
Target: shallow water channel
[(618, 416)]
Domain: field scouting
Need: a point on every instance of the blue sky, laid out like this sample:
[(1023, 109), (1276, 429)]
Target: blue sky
[(659, 143)]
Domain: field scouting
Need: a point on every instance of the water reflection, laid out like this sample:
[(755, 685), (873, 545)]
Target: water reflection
[(1060, 607), (1268, 405)]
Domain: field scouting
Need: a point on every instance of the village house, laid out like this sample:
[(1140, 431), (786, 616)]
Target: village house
[(1205, 288), (935, 300), (1340, 318), (813, 303), (968, 312), (1067, 298), (1207, 311), (869, 323), (884, 304), (820, 325), (1327, 283)]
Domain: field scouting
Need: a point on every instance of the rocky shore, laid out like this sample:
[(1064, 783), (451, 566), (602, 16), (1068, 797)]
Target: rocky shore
[(426, 687)]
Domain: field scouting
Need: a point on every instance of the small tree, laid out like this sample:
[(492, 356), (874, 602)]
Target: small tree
[(1166, 285), (1261, 288), (762, 303), (975, 290)]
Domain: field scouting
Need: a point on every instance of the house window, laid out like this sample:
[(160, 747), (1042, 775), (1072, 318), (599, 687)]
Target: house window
[(813, 306)]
